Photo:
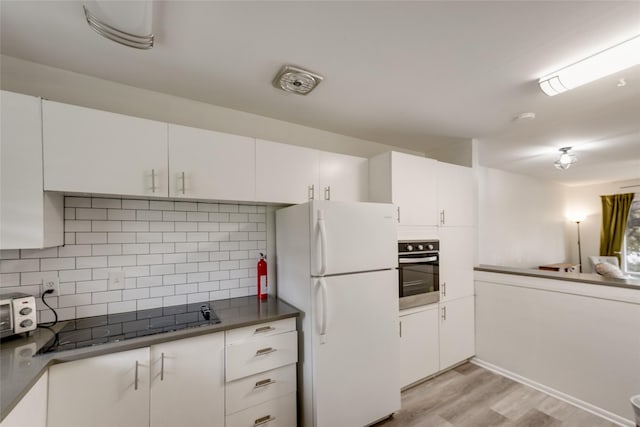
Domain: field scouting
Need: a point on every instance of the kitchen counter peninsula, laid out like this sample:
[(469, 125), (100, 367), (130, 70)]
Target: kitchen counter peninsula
[(593, 279), (21, 367)]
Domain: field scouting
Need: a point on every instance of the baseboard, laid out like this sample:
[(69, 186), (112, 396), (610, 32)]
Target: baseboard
[(609, 416)]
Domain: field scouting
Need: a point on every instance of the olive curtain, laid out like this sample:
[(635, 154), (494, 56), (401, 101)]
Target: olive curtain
[(615, 211)]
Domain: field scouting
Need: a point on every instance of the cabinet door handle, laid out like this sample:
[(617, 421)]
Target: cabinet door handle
[(135, 380), (264, 383), (162, 367), (263, 420), (182, 179), (401, 329), (442, 217), (444, 289), (264, 329), (153, 180), (311, 191), (398, 214), (264, 351), (444, 313), (327, 193)]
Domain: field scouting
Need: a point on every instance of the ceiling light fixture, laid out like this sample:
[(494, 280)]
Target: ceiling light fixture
[(131, 16), (296, 80), (565, 160), (609, 61)]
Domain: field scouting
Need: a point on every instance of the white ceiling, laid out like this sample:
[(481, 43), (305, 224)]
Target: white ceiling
[(408, 74)]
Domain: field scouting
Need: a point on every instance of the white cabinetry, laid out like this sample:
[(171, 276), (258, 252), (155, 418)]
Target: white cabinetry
[(456, 195), (285, 173), (343, 178), (457, 331), (407, 181), (92, 151), (419, 355), (457, 248), (210, 165), (29, 217), (31, 411), (187, 382), (261, 374), (103, 391)]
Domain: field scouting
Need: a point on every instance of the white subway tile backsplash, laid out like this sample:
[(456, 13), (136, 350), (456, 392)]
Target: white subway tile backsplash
[(171, 252)]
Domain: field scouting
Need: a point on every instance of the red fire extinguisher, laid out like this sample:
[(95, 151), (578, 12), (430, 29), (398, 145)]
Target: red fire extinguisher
[(262, 277)]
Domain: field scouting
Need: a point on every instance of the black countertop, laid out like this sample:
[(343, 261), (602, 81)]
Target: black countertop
[(21, 366)]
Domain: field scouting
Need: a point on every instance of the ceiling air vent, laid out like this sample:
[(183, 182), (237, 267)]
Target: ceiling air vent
[(296, 80)]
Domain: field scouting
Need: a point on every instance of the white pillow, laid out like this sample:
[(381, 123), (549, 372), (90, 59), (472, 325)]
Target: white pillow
[(609, 270)]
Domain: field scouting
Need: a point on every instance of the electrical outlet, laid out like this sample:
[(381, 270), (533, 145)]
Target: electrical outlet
[(116, 280), (51, 283)]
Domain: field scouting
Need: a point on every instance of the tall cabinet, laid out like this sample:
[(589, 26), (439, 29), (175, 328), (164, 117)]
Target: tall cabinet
[(29, 217)]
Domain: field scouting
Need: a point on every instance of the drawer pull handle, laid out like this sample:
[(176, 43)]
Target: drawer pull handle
[(264, 383), (263, 420), (264, 351), (162, 367), (264, 329)]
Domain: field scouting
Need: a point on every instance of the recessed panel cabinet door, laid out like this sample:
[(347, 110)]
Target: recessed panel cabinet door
[(210, 165), (92, 151), (457, 248), (286, 173), (102, 391), (187, 382), (419, 349)]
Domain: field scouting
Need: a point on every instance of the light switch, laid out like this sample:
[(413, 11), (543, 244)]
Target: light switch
[(116, 280)]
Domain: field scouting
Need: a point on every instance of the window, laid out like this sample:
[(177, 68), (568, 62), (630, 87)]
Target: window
[(631, 244)]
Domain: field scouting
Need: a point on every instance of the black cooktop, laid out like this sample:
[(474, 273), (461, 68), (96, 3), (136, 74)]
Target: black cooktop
[(91, 331)]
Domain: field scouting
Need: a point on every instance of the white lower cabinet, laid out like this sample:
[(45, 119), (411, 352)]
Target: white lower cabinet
[(175, 383), (102, 391), (31, 411), (187, 382), (261, 375), (419, 356), (457, 331)]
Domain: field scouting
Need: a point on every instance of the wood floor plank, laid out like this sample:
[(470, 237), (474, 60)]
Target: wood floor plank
[(471, 396)]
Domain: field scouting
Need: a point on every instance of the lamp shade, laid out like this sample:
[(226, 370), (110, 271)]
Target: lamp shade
[(609, 61)]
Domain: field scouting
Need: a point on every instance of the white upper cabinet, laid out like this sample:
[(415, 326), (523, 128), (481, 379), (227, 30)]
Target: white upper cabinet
[(407, 181), (92, 151), (286, 173), (29, 217), (343, 177), (456, 195), (210, 165)]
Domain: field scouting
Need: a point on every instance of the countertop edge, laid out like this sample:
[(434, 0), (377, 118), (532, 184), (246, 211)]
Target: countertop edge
[(569, 277), (48, 360)]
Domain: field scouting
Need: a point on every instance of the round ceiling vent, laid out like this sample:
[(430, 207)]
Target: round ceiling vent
[(296, 80)]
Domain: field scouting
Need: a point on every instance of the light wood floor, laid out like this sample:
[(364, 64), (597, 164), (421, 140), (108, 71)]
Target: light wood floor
[(471, 396)]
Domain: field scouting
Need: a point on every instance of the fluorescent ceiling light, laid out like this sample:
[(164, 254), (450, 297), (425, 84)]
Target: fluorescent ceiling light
[(609, 61)]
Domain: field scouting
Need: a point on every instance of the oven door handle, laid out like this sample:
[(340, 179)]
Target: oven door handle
[(417, 260)]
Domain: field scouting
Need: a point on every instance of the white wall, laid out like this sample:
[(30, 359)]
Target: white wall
[(78, 89), (586, 200), (521, 220)]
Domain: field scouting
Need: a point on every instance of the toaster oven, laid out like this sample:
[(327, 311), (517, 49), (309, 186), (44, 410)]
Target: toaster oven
[(17, 314)]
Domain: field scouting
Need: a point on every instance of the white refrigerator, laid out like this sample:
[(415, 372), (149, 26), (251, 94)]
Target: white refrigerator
[(336, 262)]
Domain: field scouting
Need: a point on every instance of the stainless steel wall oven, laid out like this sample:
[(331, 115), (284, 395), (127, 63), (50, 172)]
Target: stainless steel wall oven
[(418, 269)]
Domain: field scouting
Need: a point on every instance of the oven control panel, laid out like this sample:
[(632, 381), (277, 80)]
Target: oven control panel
[(418, 246)]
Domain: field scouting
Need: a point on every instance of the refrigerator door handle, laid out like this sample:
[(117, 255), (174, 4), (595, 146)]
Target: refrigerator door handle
[(324, 300), (323, 243)]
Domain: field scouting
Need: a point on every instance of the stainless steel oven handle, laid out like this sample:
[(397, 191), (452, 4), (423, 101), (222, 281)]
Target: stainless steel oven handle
[(416, 260)]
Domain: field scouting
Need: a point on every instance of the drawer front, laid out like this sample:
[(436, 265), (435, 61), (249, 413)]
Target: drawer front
[(279, 412), (260, 388), (261, 355), (256, 332)]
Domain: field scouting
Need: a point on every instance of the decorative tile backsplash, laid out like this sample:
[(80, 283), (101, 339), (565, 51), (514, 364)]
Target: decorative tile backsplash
[(171, 253)]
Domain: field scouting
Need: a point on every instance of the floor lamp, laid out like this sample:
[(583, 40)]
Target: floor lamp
[(578, 219)]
